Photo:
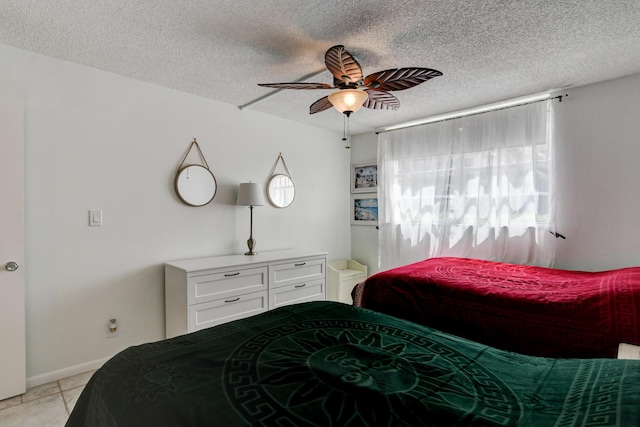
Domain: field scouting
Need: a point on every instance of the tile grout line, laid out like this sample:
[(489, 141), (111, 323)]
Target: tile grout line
[(55, 389), (64, 401), (21, 401)]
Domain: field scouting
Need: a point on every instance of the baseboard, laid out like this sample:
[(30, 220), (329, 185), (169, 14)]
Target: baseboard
[(64, 373)]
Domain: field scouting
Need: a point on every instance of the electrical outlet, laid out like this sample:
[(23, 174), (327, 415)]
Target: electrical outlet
[(113, 328)]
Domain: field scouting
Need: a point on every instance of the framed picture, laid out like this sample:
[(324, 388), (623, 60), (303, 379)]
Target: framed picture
[(364, 209), (364, 177)]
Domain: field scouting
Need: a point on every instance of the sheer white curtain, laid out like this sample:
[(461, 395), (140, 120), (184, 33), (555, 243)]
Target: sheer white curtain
[(480, 186)]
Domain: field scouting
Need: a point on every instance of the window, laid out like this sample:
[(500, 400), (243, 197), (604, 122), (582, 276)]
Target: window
[(479, 186)]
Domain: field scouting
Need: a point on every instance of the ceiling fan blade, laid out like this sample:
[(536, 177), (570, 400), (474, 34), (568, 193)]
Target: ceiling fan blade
[(399, 78), (320, 105), (342, 65), (297, 85), (381, 100)]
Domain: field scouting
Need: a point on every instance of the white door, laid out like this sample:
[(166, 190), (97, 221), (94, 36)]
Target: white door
[(12, 289)]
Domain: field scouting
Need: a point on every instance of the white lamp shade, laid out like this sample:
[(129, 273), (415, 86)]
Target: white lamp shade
[(250, 194), (348, 99)]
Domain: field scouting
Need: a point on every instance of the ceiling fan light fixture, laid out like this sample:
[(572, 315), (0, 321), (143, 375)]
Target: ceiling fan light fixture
[(348, 100)]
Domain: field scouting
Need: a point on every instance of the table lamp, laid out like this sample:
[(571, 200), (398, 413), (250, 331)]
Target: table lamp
[(250, 194)]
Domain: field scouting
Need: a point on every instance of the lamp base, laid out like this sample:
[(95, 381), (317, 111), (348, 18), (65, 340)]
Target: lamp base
[(251, 243)]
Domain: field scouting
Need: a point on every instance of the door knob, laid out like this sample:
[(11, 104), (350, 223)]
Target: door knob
[(11, 266)]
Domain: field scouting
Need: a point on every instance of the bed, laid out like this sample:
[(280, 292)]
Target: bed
[(526, 309), (331, 364)]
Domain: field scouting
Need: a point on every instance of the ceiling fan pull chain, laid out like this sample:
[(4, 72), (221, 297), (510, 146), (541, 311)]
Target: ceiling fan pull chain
[(344, 131), (347, 131), (344, 128)]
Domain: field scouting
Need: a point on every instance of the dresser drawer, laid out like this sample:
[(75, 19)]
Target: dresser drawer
[(226, 283), (205, 292), (312, 290), (303, 270), (212, 313)]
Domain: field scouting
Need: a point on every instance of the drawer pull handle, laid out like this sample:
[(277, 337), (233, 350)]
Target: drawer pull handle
[(232, 300), (301, 286), (232, 274), (300, 264)]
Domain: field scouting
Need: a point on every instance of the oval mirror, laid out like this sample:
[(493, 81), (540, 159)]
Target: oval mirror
[(195, 185), (280, 190)]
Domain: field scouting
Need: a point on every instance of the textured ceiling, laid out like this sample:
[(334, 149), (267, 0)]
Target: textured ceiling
[(487, 50)]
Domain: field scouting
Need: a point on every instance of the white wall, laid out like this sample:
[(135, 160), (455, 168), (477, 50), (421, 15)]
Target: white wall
[(598, 175), (95, 140), (598, 203)]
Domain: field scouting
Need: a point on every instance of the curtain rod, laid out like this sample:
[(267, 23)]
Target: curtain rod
[(462, 114)]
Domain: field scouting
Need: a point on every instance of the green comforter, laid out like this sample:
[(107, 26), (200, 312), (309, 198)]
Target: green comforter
[(329, 364)]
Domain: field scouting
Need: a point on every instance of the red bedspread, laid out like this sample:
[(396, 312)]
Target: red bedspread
[(526, 309)]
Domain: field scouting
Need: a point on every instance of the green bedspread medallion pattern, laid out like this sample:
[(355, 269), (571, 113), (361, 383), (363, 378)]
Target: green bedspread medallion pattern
[(366, 371)]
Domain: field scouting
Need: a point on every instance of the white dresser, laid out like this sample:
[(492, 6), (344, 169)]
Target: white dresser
[(204, 292)]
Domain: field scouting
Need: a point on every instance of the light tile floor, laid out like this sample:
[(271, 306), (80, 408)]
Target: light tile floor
[(45, 405)]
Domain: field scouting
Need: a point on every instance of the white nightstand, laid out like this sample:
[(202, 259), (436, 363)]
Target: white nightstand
[(342, 276)]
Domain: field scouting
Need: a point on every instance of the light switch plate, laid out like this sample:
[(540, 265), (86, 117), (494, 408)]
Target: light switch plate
[(95, 218)]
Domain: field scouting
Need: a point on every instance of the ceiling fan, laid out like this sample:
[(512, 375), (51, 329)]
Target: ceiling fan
[(354, 90)]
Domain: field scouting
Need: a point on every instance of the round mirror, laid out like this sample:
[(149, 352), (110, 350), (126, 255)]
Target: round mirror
[(195, 185), (281, 190)]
